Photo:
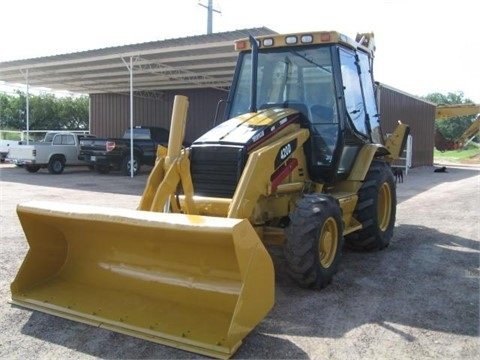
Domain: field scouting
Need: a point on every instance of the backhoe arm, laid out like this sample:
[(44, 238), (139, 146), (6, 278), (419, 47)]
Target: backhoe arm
[(395, 144)]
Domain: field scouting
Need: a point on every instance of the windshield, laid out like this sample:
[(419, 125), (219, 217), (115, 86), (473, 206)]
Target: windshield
[(288, 76)]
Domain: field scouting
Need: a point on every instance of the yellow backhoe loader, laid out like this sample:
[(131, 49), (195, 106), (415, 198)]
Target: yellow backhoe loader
[(298, 161)]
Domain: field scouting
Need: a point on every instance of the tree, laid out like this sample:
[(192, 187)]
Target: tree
[(46, 112), (12, 111), (451, 128), (74, 112), (448, 99)]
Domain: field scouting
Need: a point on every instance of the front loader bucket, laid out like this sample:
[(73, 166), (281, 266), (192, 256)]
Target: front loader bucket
[(192, 282)]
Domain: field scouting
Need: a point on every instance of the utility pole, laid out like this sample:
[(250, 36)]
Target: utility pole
[(210, 11)]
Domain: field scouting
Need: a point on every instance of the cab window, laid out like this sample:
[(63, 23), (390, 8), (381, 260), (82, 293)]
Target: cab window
[(353, 92)]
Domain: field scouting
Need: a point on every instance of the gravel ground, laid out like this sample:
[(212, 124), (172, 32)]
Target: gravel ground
[(419, 298)]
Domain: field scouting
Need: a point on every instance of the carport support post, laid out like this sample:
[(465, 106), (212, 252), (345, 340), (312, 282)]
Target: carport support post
[(27, 104), (130, 69), (28, 110), (131, 116)]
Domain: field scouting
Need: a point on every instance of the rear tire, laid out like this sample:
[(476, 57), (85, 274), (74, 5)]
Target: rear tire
[(375, 210), (32, 168), (125, 167), (314, 240), (56, 165)]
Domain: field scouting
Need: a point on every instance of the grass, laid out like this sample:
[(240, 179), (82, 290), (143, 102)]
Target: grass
[(472, 151), (10, 135)]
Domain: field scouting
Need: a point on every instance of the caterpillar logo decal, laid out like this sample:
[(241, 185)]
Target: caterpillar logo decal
[(285, 152)]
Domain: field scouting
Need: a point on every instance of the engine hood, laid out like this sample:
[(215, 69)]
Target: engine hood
[(250, 129)]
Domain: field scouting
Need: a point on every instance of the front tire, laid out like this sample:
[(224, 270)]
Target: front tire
[(375, 210), (102, 168), (314, 240)]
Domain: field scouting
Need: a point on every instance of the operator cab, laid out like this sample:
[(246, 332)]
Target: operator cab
[(326, 81)]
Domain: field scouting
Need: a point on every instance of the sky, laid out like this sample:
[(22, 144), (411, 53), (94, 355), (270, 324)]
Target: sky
[(422, 47)]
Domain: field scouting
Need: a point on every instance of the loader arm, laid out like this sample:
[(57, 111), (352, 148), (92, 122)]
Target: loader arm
[(162, 184), (171, 166)]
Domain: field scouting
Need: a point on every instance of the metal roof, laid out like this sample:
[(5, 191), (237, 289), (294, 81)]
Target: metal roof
[(203, 61)]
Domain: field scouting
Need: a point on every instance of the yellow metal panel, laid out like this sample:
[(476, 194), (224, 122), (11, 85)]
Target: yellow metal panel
[(362, 162), (256, 177), (446, 111), (177, 129), (265, 117), (171, 167), (193, 282), (209, 206), (348, 202), (396, 142), (155, 178)]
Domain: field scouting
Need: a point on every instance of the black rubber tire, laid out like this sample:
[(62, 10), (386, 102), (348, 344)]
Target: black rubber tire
[(375, 210), (102, 168), (125, 166), (32, 168), (56, 165), (314, 240)]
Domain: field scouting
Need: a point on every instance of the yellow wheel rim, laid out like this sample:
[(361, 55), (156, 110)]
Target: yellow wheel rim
[(328, 242), (384, 210)]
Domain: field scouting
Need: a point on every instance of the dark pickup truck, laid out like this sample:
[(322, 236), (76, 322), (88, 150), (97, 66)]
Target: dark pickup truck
[(114, 153)]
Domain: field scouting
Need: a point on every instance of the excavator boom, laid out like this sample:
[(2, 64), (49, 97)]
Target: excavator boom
[(448, 111), (444, 112)]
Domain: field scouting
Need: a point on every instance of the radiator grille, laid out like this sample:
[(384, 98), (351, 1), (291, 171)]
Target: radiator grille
[(216, 169)]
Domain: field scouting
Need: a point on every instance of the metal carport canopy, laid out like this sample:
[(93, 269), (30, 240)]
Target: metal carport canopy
[(202, 61)]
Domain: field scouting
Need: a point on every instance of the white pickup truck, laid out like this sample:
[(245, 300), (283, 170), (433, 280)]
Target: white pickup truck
[(7, 140), (5, 148), (54, 155)]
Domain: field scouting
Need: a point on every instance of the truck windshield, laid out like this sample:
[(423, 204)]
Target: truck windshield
[(301, 76)]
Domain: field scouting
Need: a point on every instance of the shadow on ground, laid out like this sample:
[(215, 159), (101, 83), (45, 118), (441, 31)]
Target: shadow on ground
[(424, 279)]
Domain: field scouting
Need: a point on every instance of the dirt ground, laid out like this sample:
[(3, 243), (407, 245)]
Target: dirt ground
[(417, 299)]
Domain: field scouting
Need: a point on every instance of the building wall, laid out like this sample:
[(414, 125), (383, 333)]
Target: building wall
[(394, 106), (110, 113)]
